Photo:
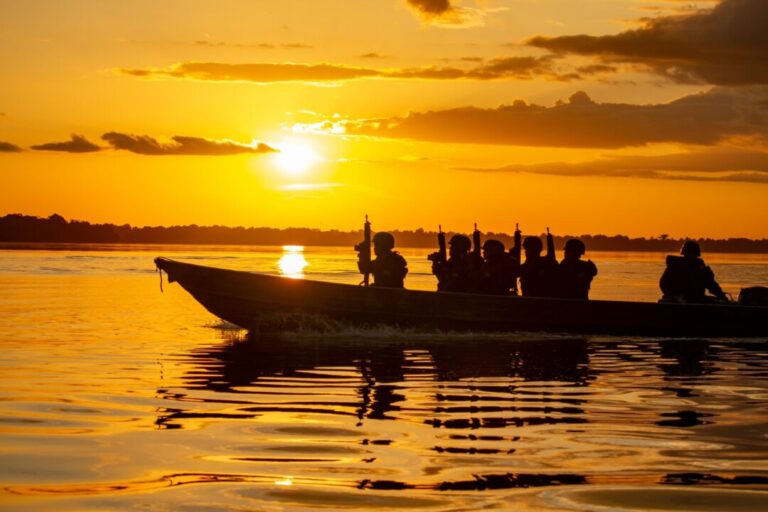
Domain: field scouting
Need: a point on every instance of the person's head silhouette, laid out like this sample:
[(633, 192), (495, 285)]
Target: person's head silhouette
[(459, 245), (383, 243), (532, 246), (574, 249)]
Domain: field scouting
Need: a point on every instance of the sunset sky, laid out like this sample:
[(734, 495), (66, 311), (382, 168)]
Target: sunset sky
[(638, 117)]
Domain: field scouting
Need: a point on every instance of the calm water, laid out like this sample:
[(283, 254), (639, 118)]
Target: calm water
[(114, 396)]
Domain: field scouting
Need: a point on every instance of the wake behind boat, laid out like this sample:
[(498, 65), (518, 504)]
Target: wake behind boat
[(244, 298)]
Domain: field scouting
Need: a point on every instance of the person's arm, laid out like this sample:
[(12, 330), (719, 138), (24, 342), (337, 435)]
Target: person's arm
[(403, 270), (365, 266), (712, 286)]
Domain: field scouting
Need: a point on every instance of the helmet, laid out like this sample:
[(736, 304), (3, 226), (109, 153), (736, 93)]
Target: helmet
[(384, 240), (493, 246), (533, 243), (691, 248), (461, 242), (576, 246)]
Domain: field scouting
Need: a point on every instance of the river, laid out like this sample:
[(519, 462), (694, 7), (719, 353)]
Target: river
[(115, 396)]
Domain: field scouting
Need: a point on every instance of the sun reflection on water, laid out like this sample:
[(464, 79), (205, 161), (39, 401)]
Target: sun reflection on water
[(292, 262)]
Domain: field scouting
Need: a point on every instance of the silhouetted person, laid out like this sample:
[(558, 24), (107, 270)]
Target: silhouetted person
[(496, 275), (457, 273), (537, 273), (573, 274), (687, 278), (389, 267)]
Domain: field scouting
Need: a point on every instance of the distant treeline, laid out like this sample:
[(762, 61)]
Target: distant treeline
[(26, 228)]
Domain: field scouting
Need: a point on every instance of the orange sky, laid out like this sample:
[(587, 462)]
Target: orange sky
[(639, 117)]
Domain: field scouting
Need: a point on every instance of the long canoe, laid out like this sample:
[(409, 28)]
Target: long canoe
[(246, 298)]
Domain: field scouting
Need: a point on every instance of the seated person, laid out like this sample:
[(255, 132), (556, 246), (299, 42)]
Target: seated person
[(389, 267), (456, 274), (496, 275), (538, 272), (687, 278), (574, 275)]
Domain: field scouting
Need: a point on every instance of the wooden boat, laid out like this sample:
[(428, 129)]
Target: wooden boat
[(245, 298)]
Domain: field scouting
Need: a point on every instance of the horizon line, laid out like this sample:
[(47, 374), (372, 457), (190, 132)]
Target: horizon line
[(414, 230)]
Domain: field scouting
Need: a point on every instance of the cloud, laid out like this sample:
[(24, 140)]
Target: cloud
[(373, 55), (78, 144), (432, 7), (7, 147), (523, 68), (446, 14), (725, 45), (715, 164), (704, 118), (146, 145), (596, 69), (261, 72)]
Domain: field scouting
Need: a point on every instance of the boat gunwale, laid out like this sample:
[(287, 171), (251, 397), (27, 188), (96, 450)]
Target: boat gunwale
[(347, 286)]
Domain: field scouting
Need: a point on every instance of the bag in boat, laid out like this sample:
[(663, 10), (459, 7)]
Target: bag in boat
[(754, 296)]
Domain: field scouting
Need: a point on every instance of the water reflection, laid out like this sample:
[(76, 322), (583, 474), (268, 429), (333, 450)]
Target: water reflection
[(292, 262), (358, 417), (476, 414)]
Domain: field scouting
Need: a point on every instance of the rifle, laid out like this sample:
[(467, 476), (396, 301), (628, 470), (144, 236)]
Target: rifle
[(476, 244), (516, 253), (518, 247), (550, 246), (442, 254), (364, 253)]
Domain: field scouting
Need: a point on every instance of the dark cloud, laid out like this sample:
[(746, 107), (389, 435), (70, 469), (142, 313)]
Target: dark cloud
[(78, 144), (447, 13), (524, 68), (146, 145), (7, 147), (596, 69), (705, 118), (725, 45), (716, 164), (431, 7)]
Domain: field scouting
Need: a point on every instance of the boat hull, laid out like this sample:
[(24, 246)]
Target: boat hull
[(245, 298)]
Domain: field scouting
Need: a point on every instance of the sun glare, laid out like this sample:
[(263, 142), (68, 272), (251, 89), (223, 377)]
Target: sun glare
[(295, 157), (292, 262)]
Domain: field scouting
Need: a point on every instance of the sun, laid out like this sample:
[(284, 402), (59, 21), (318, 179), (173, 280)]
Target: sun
[(295, 157)]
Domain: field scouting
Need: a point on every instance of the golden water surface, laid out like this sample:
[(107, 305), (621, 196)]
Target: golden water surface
[(115, 396)]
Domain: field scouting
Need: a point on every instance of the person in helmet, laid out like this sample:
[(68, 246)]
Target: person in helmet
[(496, 275), (574, 276), (687, 278), (457, 273), (537, 273), (389, 268)]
